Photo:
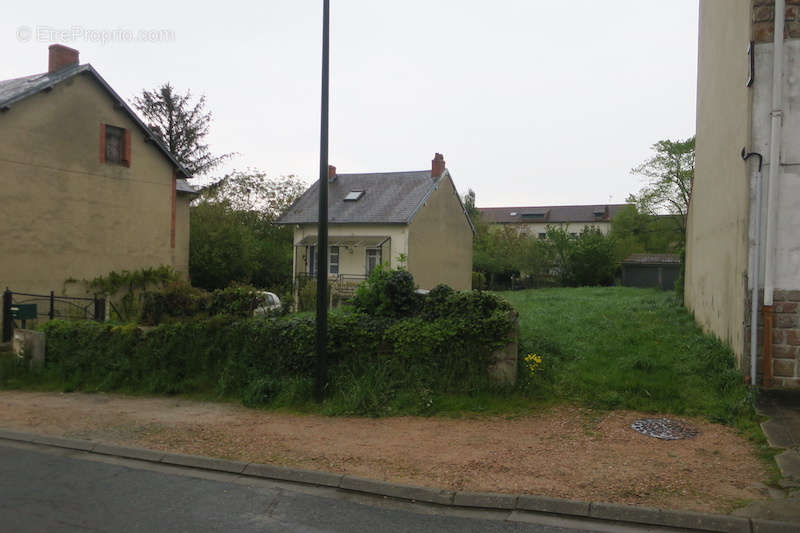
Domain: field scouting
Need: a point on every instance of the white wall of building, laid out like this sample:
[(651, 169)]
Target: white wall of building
[(787, 260)]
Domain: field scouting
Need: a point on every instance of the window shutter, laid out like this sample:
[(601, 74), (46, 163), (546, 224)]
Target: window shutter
[(126, 150), (102, 143)]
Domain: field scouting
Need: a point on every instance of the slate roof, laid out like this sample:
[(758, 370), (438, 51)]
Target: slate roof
[(653, 259), (389, 198), (550, 214), (14, 90), (183, 186)]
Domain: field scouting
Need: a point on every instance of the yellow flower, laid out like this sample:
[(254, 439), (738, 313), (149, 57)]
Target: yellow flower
[(532, 361)]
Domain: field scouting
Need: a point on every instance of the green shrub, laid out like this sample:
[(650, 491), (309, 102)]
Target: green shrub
[(237, 300), (478, 281), (307, 294), (444, 302), (388, 293), (176, 300), (179, 300)]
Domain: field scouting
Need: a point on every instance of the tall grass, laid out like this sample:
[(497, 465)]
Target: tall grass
[(618, 347)]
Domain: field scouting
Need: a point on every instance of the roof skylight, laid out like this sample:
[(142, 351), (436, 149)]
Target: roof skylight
[(353, 196)]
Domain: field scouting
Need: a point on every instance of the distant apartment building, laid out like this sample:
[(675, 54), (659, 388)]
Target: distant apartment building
[(534, 220)]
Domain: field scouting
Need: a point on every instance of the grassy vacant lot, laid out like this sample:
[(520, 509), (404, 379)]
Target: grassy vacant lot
[(618, 347)]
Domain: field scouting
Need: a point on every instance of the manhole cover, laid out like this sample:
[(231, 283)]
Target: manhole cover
[(664, 428)]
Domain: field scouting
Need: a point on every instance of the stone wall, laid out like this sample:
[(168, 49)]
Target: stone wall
[(503, 362), (785, 339), (764, 20)]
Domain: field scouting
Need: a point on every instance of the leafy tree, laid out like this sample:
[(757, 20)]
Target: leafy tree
[(669, 175), (221, 248), (469, 206), (252, 190), (181, 125), (587, 259), (560, 245), (502, 253), (638, 232), (498, 251), (593, 260), (234, 237)]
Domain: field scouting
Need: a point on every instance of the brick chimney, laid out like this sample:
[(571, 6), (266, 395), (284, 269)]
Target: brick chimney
[(437, 166), (61, 56), (331, 173)]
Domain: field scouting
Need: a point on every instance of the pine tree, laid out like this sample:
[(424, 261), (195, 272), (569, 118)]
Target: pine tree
[(181, 125)]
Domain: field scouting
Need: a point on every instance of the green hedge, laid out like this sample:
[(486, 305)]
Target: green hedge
[(180, 301), (377, 363)]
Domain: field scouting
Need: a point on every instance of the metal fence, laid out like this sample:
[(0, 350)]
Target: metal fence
[(20, 307), (341, 287)]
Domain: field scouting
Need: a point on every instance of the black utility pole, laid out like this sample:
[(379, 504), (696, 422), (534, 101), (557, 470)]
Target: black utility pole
[(321, 381)]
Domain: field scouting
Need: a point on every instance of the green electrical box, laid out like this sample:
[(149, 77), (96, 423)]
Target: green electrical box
[(24, 311)]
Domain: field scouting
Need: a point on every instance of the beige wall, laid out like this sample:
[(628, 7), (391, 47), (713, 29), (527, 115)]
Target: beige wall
[(717, 234), (64, 213), (352, 260), (440, 241)]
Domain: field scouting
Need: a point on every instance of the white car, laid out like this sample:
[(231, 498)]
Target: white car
[(271, 303)]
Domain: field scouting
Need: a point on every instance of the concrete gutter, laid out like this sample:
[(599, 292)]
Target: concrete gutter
[(515, 504)]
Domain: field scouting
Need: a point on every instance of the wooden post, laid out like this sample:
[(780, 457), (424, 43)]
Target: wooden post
[(8, 321)]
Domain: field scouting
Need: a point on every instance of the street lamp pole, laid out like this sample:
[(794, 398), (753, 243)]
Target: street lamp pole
[(321, 381)]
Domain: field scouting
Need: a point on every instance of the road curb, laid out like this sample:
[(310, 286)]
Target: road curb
[(395, 490), (141, 454), (206, 463), (483, 500), (296, 475)]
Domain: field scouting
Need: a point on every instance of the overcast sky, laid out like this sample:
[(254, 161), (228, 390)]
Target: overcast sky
[(532, 102)]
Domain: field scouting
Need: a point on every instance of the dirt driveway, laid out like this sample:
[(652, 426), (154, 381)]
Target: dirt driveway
[(563, 452)]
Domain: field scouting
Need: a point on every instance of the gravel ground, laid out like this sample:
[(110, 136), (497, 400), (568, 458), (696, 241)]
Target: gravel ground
[(565, 452)]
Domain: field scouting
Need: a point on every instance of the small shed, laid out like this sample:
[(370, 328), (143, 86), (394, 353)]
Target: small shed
[(651, 270)]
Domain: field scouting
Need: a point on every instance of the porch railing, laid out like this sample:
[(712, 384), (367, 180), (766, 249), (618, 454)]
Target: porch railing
[(341, 287)]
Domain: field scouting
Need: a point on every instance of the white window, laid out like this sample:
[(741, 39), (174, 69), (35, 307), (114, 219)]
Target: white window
[(333, 260), (373, 259), (312, 260)]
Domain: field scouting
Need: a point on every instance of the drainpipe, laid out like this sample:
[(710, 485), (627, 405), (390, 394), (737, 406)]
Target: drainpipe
[(776, 118), (754, 275)]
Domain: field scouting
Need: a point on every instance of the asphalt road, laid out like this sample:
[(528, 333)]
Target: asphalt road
[(46, 489)]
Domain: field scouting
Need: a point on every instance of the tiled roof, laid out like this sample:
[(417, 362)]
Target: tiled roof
[(14, 90), (550, 214), (653, 259), (389, 198)]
